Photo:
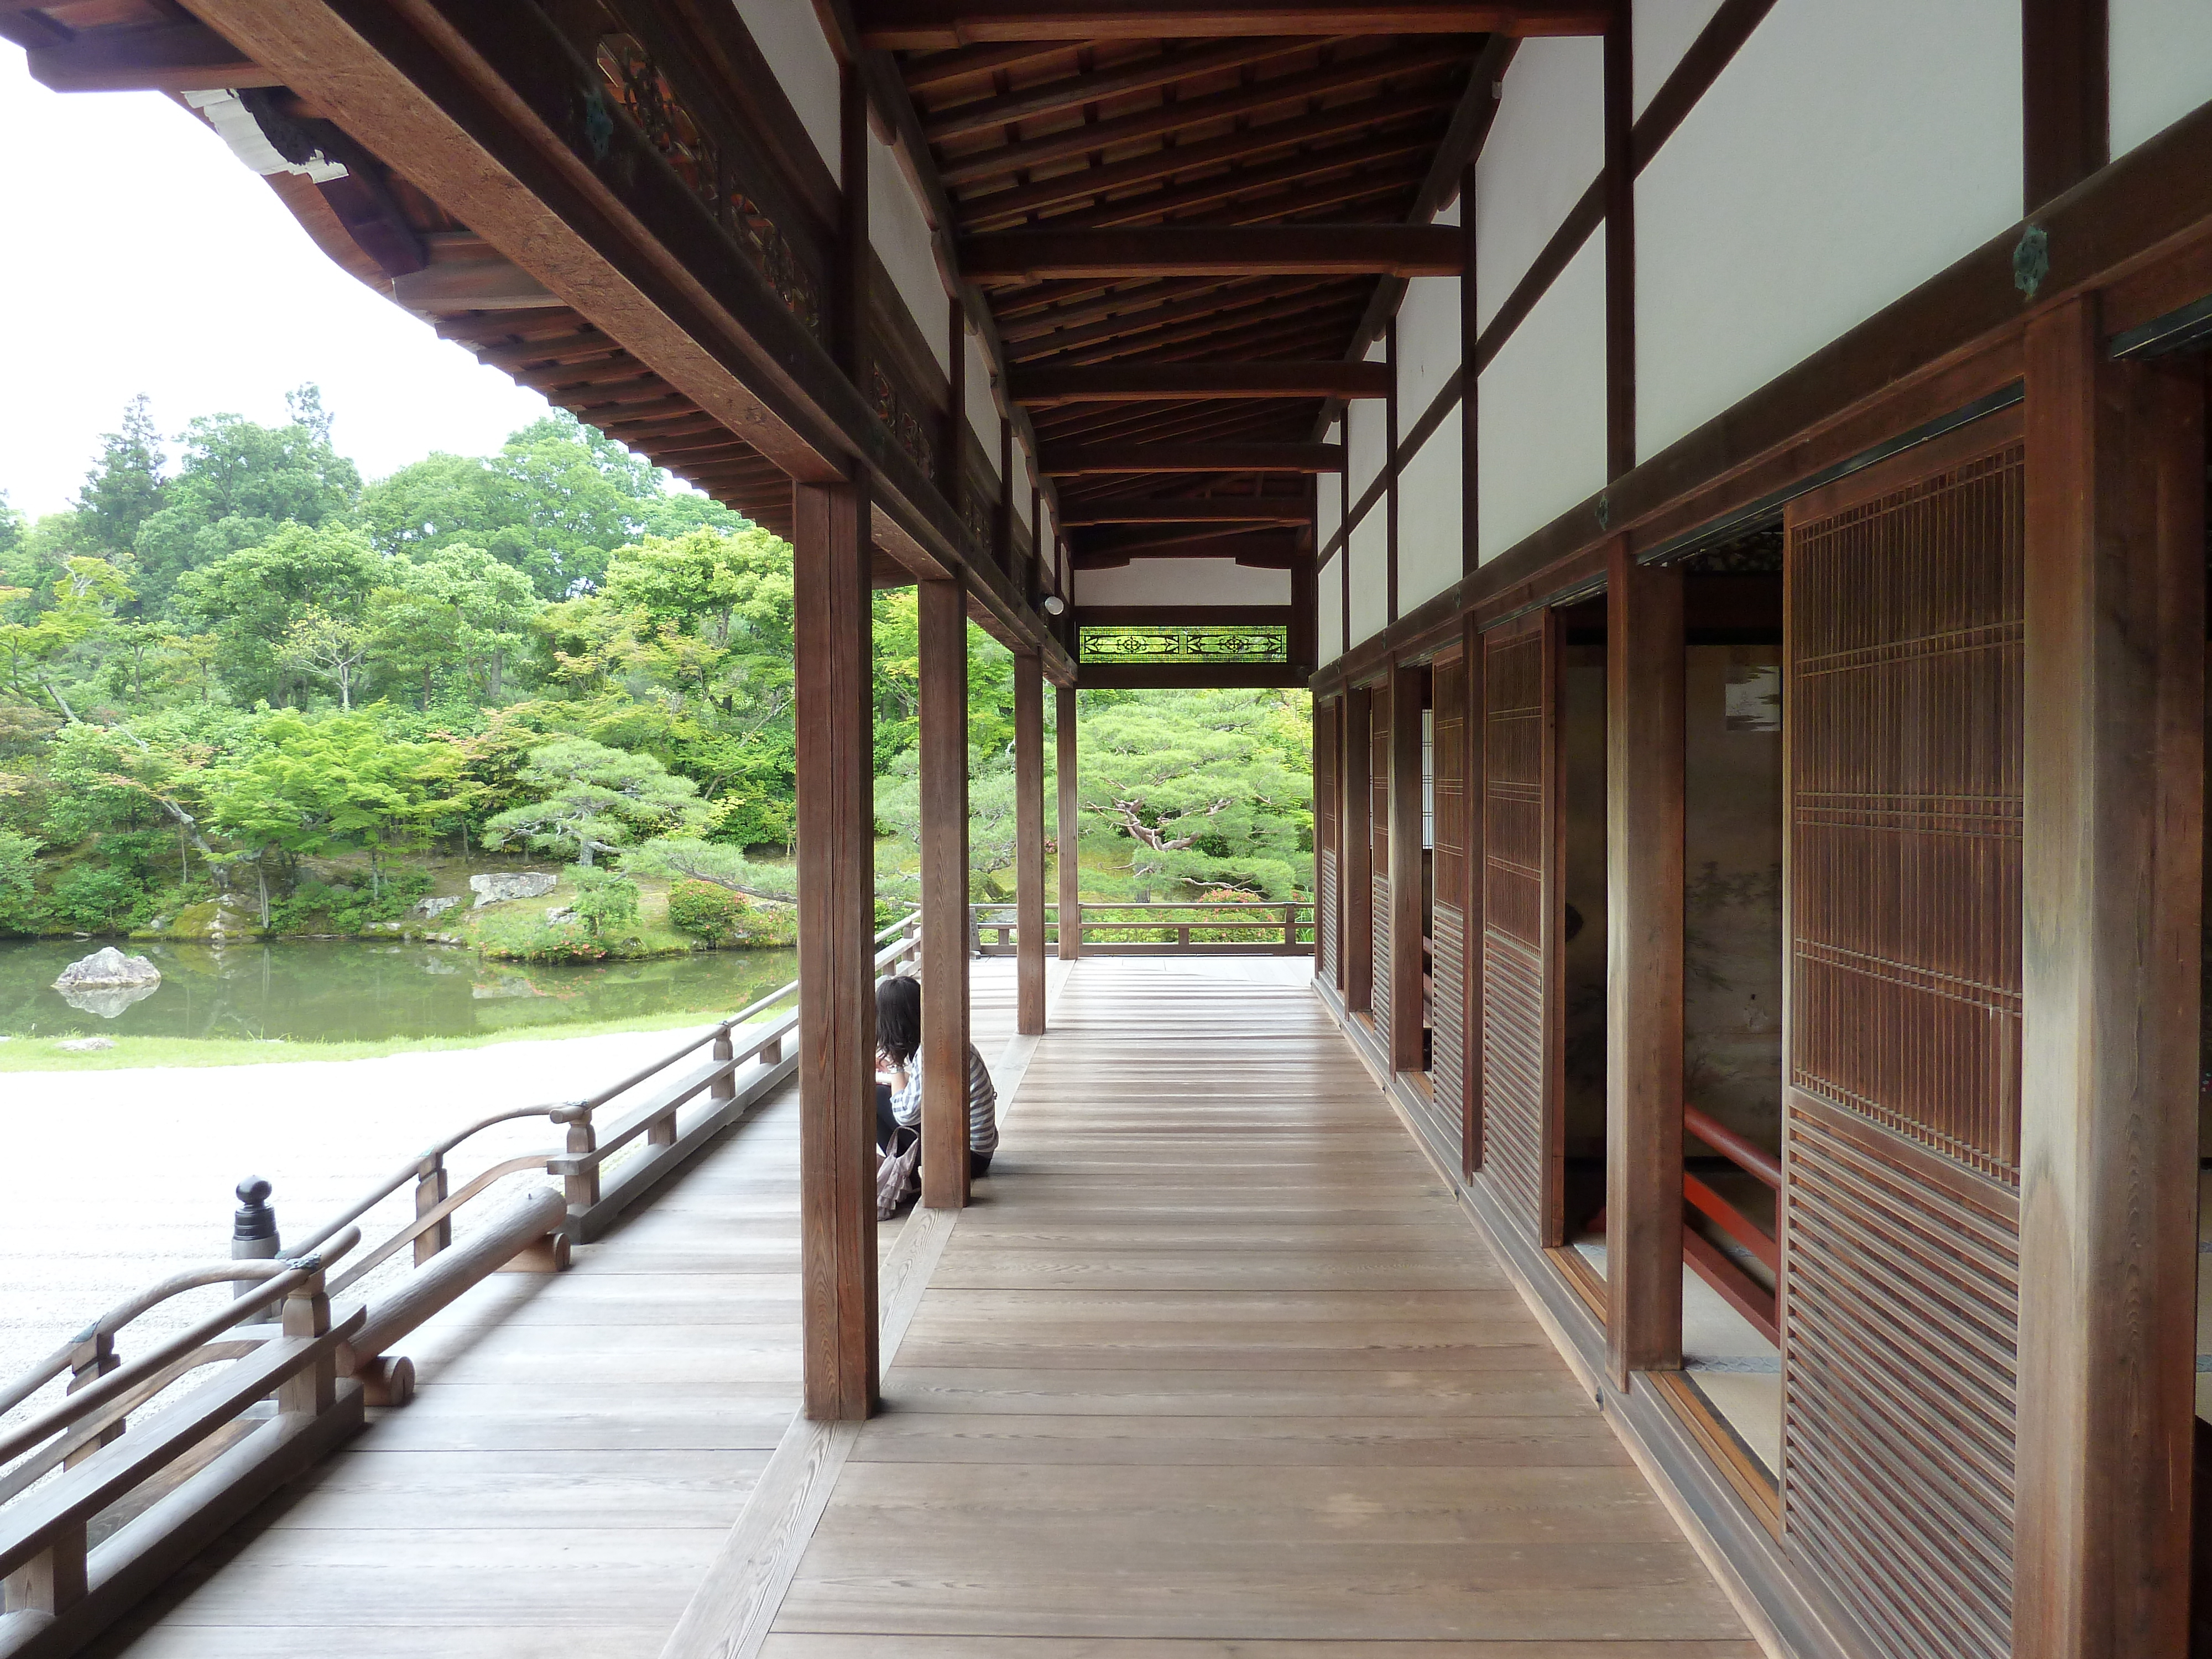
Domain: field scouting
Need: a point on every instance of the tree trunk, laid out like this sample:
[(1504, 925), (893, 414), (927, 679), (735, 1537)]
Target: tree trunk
[(261, 877)]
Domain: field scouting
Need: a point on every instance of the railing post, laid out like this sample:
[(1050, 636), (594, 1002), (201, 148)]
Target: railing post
[(581, 1188), (311, 1392), (93, 1358), (724, 1087), (54, 1580), (253, 1236), (1291, 926), (431, 1187)]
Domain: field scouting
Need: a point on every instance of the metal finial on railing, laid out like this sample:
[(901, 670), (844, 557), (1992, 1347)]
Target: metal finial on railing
[(253, 1237)]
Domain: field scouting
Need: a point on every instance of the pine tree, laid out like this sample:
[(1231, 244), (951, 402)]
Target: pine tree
[(123, 488)]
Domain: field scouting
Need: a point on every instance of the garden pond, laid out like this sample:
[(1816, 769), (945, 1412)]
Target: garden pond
[(341, 992)]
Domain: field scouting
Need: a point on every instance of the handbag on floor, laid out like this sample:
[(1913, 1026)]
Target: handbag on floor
[(898, 1175)]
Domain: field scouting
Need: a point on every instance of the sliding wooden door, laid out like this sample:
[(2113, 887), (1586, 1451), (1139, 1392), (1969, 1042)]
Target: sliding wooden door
[(1901, 1135), (1380, 988), (1449, 1047), (1522, 856), (1325, 723)]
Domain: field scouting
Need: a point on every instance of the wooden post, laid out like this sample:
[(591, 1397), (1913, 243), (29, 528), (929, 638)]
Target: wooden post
[(1028, 843), (431, 1189), (1071, 870), (1355, 874), (1619, 117), (837, 958), (2112, 785), (1645, 662), (1390, 475), (314, 1390), (1470, 392), (1407, 696), (1477, 829), (943, 693)]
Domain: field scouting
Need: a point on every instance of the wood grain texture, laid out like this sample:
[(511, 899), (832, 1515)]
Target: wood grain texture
[(1029, 842), (1215, 1364), (1645, 674), (2114, 782), (943, 644)]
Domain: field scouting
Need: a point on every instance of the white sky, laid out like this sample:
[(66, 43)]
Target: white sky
[(136, 255)]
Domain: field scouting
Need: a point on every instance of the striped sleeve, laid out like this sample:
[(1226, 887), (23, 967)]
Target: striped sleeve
[(982, 1105)]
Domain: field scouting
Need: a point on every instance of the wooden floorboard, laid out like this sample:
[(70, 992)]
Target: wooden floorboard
[(1217, 1367)]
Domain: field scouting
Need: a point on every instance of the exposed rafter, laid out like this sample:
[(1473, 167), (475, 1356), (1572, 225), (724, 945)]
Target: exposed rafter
[(1075, 460), (934, 25), (1149, 383), (1217, 251)]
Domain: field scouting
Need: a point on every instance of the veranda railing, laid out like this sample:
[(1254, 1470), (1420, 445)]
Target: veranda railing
[(109, 1489), (1265, 928)]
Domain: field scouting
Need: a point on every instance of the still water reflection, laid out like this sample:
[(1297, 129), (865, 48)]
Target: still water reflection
[(334, 992)]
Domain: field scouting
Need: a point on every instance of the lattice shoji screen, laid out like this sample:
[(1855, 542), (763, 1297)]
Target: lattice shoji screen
[(1327, 716), (1520, 1072), (1448, 973), (1378, 841), (1902, 1139)]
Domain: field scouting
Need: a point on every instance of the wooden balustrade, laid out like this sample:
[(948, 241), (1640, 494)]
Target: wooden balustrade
[(277, 1397), (1728, 1279), (1274, 928)]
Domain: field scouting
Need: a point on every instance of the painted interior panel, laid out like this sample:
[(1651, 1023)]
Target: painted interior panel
[(1542, 409), (982, 412), (798, 55), (1428, 344), (1848, 154), (1429, 516), (1328, 612), (1182, 582), (1544, 148), (1366, 448), (1664, 30), (2162, 65), (901, 235), (1370, 575)]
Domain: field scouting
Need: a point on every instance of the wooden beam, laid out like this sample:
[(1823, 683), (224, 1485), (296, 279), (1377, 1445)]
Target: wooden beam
[(937, 25), (1073, 91), (1408, 690), (1218, 509), (1347, 74), (943, 641), (1068, 825), (1268, 546), (1071, 460), (1356, 868), (474, 284), (1123, 383), (2065, 95), (1224, 186), (831, 659), (154, 58), (1620, 184), (2112, 846), (1028, 844), (1216, 251), (1645, 663)]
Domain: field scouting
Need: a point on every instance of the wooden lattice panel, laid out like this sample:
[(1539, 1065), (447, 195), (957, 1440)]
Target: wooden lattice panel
[(1325, 717), (1448, 969), (1519, 1076), (1902, 1050), (1378, 821)]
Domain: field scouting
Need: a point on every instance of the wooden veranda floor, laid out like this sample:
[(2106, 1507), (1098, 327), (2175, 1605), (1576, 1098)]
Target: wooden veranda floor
[(1214, 1366)]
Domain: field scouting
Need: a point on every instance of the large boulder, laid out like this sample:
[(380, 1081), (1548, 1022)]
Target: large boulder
[(520, 884), (432, 908), (107, 969)]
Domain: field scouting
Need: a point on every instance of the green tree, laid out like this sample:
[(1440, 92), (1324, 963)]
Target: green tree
[(34, 640), (605, 900), (237, 486), (19, 891), (124, 487), (590, 800), (252, 599), (454, 615)]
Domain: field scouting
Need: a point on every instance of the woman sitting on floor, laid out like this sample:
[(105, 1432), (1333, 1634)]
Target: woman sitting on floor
[(898, 1102)]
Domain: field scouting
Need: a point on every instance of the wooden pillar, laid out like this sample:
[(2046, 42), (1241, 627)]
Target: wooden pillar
[(1645, 662), (945, 1026), (1070, 825), (1470, 388), (832, 716), (1407, 695), (1356, 866), (2065, 91), (1477, 889), (1620, 118), (1028, 843), (1390, 473), (2112, 785)]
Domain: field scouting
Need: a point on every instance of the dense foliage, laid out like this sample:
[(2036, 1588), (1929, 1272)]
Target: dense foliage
[(231, 668)]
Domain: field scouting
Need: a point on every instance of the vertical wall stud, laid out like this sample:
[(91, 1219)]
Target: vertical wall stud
[(1620, 243), (1390, 473), (1470, 385)]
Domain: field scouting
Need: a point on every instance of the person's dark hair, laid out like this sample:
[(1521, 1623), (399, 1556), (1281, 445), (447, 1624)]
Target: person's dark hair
[(898, 1017)]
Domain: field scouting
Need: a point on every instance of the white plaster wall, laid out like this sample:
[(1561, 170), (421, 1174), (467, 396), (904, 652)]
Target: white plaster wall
[(982, 412), (2162, 65), (1328, 612), (1846, 155), (1371, 575), (1428, 344), (1545, 146), (1182, 582), (798, 53), (1328, 497), (1021, 483), (901, 235), (1367, 424), (1429, 517), (1541, 412), (1664, 31)]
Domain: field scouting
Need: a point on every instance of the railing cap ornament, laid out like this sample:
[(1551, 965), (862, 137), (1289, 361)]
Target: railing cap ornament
[(254, 1219)]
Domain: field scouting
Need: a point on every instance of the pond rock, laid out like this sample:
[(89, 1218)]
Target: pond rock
[(430, 908), (518, 884), (107, 969), (85, 1045), (559, 912)]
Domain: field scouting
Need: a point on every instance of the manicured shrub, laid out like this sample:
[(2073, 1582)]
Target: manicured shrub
[(707, 911)]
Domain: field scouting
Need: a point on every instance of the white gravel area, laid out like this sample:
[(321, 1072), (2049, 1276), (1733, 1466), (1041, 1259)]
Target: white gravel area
[(112, 1179)]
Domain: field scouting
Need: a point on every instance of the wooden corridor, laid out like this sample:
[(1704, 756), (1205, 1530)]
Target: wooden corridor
[(1214, 1366)]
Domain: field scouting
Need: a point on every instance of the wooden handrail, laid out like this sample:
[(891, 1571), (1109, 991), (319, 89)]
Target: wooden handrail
[(1751, 1159)]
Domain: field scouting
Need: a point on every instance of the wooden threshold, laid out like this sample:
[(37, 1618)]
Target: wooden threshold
[(1720, 1442)]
